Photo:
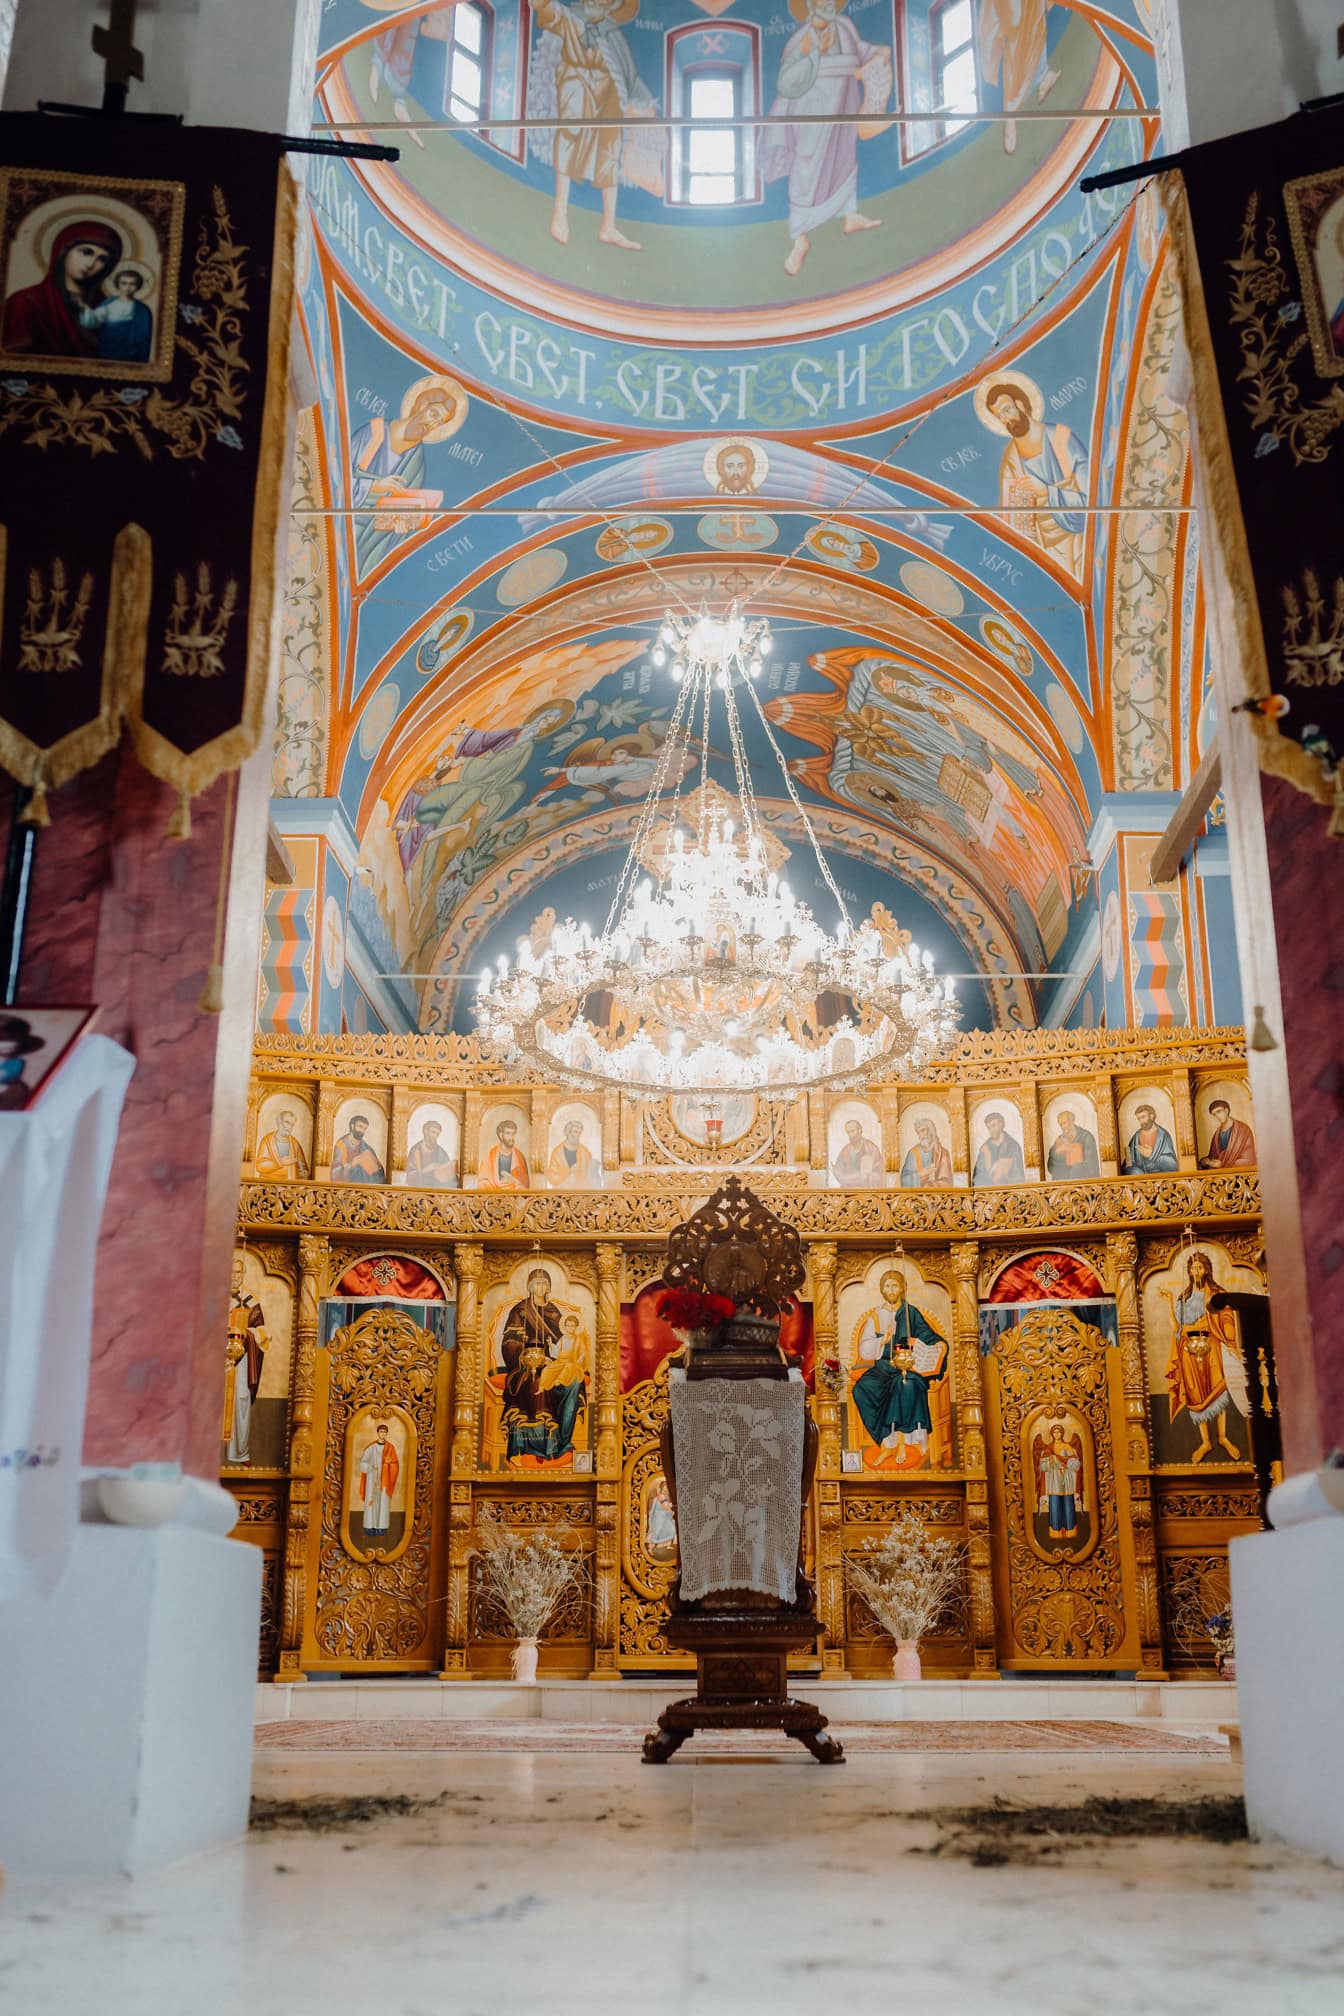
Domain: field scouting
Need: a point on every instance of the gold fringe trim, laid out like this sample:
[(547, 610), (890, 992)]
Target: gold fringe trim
[(212, 994), (179, 826), (129, 587), (1278, 754), (192, 773)]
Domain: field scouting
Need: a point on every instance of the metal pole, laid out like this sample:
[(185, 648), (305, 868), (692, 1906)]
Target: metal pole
[(14, 892)]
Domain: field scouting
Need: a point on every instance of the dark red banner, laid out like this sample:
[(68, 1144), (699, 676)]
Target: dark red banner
[(1261, 249), (145, 314)]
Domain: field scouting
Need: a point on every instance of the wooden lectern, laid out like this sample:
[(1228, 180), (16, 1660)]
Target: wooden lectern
[(741, 1637)]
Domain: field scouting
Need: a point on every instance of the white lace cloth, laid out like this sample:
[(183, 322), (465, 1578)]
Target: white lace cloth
[(738, 1448)]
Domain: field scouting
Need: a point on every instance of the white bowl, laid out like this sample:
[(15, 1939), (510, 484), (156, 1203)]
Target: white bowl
[(138, 1501)]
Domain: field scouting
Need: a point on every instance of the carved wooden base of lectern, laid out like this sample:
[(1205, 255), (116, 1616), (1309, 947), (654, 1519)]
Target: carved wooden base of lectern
[(741, 1638), (741, 1668)]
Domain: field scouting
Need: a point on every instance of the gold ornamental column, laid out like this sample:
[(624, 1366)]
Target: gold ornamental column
[(607, 1395), (1183, 1106), (468, 1260), (889, 1114), (314, 1258), (328, 1099), (971, 1424), (1122, 1250), (611, 1135), (821, 1259), (471, 1135), (816, 1128), (397, 1144), (1103, 1098), (607, 1398), (1032, 1152)]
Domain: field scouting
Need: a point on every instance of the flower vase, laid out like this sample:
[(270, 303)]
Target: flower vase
[(525, 1661), (905, 1663)]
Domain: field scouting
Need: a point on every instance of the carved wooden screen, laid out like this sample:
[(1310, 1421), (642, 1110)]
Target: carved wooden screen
[(375, 1568), (648, 1556), (1065, 1592)]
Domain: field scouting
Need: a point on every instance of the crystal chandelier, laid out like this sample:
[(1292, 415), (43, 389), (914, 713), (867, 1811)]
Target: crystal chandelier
[(709, 975)]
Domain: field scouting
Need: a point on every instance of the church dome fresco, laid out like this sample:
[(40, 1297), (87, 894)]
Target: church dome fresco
[(932, 443), (891, 210)]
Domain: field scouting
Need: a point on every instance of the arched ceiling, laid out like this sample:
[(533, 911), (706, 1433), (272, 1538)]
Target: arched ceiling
[(565, 438)]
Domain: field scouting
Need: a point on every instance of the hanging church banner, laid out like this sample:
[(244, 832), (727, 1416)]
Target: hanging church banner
[(145, 315), (1259, 234)]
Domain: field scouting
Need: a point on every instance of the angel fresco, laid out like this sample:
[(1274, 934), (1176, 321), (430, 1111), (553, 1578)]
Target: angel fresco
[(607, 769), (476, 784), (1061, 1509), (900, 744), (825, 67), (583, 69)]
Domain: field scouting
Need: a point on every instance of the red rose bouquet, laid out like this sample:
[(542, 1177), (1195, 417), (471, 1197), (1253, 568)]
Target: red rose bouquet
[(688, 1309)]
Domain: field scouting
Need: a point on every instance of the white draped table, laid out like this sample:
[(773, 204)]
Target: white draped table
[(55, 1160)]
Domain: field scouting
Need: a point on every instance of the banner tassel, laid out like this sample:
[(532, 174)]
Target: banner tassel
[(179, 826), (1335, 830), (212, 994), (36, 812)]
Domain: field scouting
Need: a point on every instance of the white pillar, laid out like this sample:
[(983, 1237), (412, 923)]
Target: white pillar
[(217, 62), (1226, 67), (130, 1697)]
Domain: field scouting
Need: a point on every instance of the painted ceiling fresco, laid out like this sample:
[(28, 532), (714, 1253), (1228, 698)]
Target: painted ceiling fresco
[(894, 383)]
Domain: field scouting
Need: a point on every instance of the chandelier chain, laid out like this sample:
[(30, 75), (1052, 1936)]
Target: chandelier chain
[(800, 808), (648, 813), (711, 976)]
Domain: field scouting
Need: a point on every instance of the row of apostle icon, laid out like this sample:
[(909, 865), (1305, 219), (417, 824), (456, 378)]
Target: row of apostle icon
[(359, 1151), (1147, 1147)]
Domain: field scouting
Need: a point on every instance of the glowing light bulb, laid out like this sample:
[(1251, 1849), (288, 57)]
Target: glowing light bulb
[(658, 655)]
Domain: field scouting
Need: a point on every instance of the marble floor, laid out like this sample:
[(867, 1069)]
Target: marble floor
[(728, 1886)]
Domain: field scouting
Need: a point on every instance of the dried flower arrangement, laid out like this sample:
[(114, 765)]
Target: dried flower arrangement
[(908, 1579), (1199, 1611), (527, 1575)]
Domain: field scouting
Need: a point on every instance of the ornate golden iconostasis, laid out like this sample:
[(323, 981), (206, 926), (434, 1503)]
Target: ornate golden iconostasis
[(467, 1314)]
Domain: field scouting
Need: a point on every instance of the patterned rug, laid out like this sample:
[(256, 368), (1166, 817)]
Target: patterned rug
[(608, 1738)]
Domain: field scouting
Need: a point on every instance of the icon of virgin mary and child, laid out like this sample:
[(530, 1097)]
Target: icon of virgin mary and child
[(87, 305), (545, 1391)]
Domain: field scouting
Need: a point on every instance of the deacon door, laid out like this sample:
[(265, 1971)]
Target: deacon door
[(375, 1552), (1065, 1585)]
